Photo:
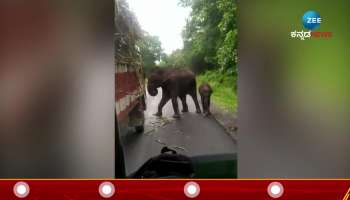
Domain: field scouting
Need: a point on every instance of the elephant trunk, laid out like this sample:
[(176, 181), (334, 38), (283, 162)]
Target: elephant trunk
[(152, 90)]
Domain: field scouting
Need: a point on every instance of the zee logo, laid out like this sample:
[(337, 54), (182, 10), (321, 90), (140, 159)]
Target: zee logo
[(311, 20)]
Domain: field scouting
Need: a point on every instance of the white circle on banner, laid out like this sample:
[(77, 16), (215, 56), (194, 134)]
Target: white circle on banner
[(106, 189), (275, 190), (191, 189), (21, 189)]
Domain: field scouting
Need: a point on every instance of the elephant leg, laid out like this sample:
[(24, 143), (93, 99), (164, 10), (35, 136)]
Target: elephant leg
[(175, 106), (203, 104), (184, 104), (208, 109), (163, 101), (194, 97)]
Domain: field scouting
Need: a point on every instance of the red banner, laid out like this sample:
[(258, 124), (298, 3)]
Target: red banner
[(175, 189)]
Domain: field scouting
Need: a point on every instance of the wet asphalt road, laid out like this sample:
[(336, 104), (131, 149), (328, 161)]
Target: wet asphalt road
[(192, 135)]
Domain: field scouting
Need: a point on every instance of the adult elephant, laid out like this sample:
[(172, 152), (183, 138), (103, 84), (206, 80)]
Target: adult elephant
[(174, 83)]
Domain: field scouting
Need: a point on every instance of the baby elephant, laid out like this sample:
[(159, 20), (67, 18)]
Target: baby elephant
[(205, 91)]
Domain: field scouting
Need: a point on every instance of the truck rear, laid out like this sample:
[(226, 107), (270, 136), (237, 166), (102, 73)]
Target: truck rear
[(129, 75)]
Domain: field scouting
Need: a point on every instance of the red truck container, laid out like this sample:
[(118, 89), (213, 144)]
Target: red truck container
[(129, 75), (130, 96)]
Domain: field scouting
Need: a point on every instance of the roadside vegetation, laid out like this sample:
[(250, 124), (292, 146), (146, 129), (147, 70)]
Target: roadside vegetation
[(224, 95)]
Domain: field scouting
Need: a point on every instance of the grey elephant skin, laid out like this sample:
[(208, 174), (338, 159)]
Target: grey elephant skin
[(174, 83), (205, 92)]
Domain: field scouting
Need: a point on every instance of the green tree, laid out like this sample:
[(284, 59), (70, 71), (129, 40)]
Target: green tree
[(151, 52), (175, 59), (210, 35), (210, 47), (200, 34), (227, 52)]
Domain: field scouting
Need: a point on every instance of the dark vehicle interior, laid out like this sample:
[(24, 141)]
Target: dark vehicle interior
[(170, 164)]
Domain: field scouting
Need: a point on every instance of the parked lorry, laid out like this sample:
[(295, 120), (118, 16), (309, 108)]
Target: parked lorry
[(129, 75)]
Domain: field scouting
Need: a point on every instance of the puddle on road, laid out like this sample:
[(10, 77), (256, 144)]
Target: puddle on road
[(153, 123)]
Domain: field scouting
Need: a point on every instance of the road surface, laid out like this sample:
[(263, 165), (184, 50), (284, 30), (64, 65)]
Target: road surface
[(192, 135)]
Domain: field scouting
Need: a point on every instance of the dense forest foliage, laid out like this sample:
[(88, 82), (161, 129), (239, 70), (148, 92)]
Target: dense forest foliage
[(210, 35), (210, 47), (151, 51)]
